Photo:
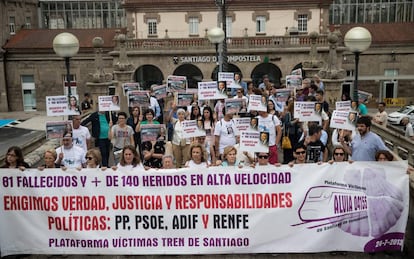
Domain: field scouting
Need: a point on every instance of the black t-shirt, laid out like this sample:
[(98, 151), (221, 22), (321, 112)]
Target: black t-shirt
[(86, 105), (314, 151)]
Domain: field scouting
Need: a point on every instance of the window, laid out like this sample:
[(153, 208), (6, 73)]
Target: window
[(303, 22), (193, 22), (229, 21), (152, 26), (28, 24), (391, 72), (12, 25), (260, 24)]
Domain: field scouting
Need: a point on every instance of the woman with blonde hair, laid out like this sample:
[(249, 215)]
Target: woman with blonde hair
[(229, 157), (49, 158), (93, 158)]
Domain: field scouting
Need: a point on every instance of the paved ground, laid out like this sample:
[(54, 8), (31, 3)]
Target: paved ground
[(27, 130)]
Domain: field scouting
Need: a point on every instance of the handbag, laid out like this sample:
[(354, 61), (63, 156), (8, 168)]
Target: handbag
[(286, 144)]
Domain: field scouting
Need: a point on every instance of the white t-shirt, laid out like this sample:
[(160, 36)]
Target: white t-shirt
[(191, 164), (227, 132), (80, 137), (269, 124), (72, 157), (129, 167)]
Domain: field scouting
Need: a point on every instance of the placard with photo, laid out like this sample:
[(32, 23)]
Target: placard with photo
[(251, 141), (293, 81), (308, 111), (152, 132), (343, 106), (227, 77), (242, 123), (160, 91), (257, 103), (344, 120), (184, 99), (283, 94), (193, 128), (209, 91), (57, 129), (235, 105), (126, 87), (109, 103), (177, 84), (138, 99), (56, 105)]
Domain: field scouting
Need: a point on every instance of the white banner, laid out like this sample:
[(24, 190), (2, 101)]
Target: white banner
[(361, 206)]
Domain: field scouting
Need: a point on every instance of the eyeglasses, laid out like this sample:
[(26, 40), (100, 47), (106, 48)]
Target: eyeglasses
[(300, 152), (339, 154), (262, 156), (88, 157)]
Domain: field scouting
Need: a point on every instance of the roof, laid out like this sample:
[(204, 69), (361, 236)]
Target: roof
[(386, 33), (189, 5), (43, 38)]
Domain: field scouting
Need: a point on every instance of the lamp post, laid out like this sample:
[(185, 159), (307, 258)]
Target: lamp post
[(216, 36), (221, 4), (66, 45), (357, 39)]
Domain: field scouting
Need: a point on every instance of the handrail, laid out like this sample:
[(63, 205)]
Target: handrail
[(232, 42), (398, 143)]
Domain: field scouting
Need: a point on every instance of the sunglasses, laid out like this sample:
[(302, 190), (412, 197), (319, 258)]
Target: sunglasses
[(339, 154), (88, 157), (263, 157), (300, 152)]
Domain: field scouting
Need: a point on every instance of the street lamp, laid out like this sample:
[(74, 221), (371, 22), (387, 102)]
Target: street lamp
[(66, 45), (357, 39), (216, 36)]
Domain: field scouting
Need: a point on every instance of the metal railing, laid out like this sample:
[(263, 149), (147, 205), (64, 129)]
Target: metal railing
[(396, 141), (234, 43)]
